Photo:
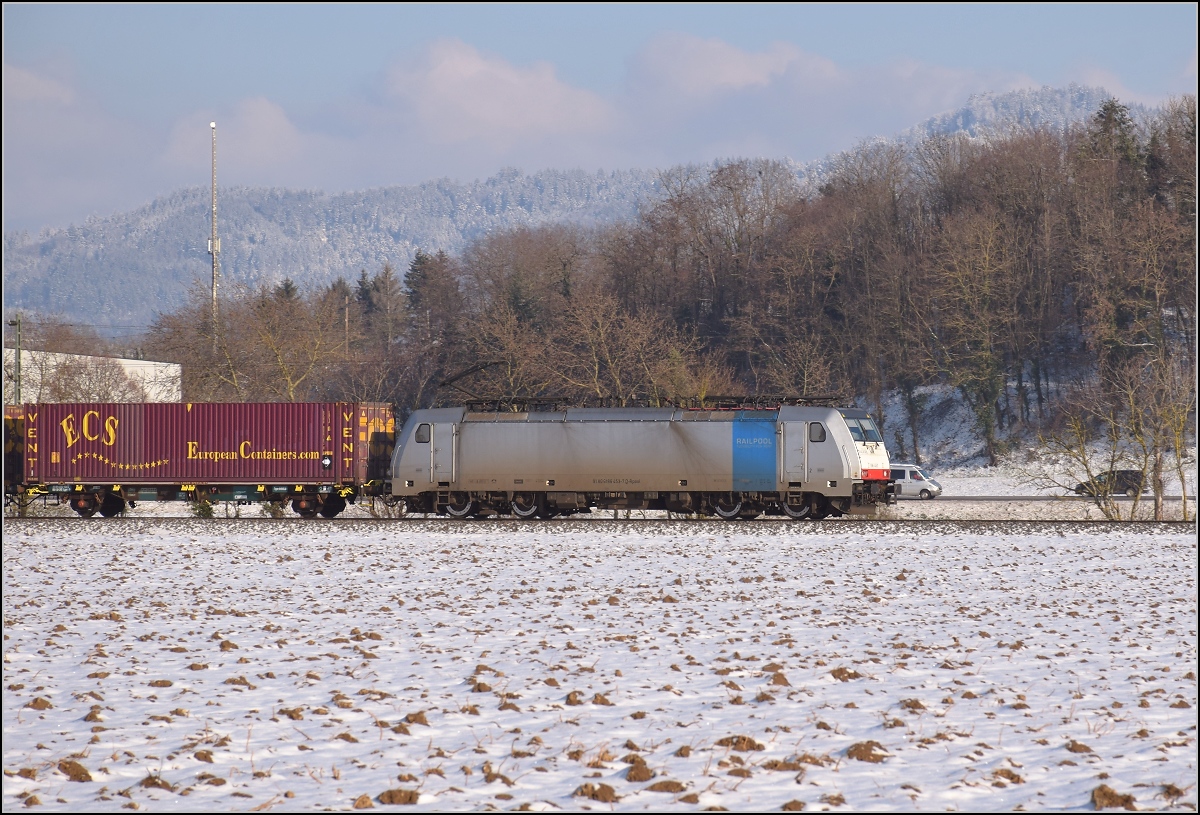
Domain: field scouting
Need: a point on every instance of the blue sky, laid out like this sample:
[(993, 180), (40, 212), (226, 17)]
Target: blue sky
[(108, 106)]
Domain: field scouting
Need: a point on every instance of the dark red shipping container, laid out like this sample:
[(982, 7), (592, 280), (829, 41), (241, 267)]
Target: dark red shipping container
[(154, 444)]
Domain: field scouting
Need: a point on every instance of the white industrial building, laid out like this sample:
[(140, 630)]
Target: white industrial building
[(49, 377)]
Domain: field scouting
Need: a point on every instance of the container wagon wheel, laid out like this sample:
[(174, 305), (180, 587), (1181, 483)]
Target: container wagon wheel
[(305, 507), (333, 506), (84, 506), (728, 507), (525, 505), (112, 505), (460, 505)]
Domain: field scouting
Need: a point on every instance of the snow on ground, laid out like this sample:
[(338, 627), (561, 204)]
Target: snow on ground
[(185, 665), (1011, 478)]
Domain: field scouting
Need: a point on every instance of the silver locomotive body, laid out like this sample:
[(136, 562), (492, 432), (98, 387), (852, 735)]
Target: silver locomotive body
[(797, 461)]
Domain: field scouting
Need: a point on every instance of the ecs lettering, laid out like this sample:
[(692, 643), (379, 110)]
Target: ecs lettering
[(90, 428)]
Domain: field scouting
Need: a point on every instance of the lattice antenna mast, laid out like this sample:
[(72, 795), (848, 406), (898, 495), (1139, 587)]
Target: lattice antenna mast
[(214, 243)]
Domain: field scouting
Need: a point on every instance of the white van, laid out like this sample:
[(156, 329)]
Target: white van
[(914, 482)]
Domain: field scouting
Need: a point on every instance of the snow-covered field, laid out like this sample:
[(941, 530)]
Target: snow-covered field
[(186, 665)]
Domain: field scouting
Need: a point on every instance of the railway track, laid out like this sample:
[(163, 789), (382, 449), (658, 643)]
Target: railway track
[(1124, 499), (769, 527), (945, 510)]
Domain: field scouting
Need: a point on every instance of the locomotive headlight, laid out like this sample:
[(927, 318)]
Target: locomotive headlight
[(326, 461)]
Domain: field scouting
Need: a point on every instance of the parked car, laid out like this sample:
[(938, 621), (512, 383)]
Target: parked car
[(912, 481), (1114, 482)]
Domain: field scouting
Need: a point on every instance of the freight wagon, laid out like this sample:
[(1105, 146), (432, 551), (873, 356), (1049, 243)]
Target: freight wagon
[(801, 461), (106, 457)]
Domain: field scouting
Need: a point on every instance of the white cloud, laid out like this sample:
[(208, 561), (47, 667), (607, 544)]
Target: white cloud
[(692, 99), (916, 86), (65, 156), (701, 68), (1097, 77), (21, 85), (264, 133), (460, 95), (256, 140)]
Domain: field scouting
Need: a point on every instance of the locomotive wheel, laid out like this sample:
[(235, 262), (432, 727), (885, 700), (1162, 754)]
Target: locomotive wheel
[(459, 505), (796, 513), (727, 507), (820, 508), (112, 505), (525, 505), (333, 506)]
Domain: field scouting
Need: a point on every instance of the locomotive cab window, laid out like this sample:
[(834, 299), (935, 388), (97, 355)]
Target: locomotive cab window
[(422, 434), (863, 430), (816, 432), (870, 430)]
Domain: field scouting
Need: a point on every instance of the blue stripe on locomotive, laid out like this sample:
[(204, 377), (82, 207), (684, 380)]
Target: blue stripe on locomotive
[(754, 454)]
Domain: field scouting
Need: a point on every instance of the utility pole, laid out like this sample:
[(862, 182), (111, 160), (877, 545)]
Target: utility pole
[(17, 392), (214, 243), (22, 505)]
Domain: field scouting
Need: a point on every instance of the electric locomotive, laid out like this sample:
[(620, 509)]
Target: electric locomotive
[(796, 460)]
